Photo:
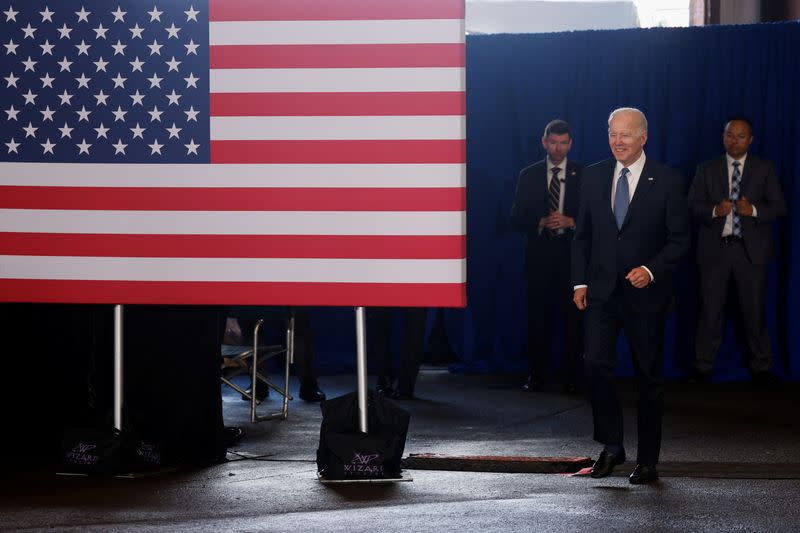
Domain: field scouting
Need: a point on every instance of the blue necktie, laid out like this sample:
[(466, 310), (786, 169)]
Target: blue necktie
[(736, 185), (621, 199)]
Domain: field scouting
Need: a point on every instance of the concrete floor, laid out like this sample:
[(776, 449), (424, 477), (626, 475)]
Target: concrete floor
[(730, 461)]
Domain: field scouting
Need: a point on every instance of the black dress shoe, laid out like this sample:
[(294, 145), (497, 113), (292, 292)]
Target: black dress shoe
[(231, 435), (698, 377), (311, 392), (531, 384), (384, 387), (605, 464), (262, 393), (643, 474), (765, 379)]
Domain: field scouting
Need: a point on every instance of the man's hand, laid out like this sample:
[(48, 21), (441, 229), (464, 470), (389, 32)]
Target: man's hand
[(723, 208), (744, 207), (639, 277), (579, 297), (556, 221)]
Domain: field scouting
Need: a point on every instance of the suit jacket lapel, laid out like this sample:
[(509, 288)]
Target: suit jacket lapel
[(610, 166), (724, 182), (646, 182)]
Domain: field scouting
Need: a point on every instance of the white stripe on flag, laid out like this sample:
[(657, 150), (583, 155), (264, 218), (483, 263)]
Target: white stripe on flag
[(235, 270), (155, 175), (233, 222), (337, 32), (337, 128), (310, 80)]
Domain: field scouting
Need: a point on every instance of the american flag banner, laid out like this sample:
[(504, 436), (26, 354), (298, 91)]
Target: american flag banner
[(272, 152)]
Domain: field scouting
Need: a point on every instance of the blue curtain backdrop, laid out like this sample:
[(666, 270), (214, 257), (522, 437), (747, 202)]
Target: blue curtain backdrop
[(687, 81)]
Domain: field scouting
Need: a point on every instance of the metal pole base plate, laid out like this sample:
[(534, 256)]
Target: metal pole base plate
[(325, 481)]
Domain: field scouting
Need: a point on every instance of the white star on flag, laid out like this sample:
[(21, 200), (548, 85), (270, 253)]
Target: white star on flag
[(12, 113), (83, 81), (173, 98), (119, 48), (64, 31), (101, 131), (47, 81), (155, 81), (119, 147), (100, 64), (66, 131), (29, 64), (47, 15), (155, 14), (136, 31), (191, 48), (83, 48), (101, 97), (191, 115), (138, 131), (155, 114), (11, 14), (66, 98), (47, 48), (174, 131), (29, 31), (12, 146), (11, 80), (119, 15), (83, 146), (191, 81), (155, 48), (173, 65), (191, 148), (119, 81), (30, 130), (137, 98), (136, 64), (101, 32), (64, 64), (172, 31), (83, 15), (119, 114), (155, 147), (48, 147), (11, 48), (83, 114), (47, 114), (30, 97), (191, 14)]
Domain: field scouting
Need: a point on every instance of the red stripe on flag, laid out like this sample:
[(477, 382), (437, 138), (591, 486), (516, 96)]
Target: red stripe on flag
[(236, 246), (337, 104), (221, 10), (337, 56), (324, 152), (234, 293), (233, 199)]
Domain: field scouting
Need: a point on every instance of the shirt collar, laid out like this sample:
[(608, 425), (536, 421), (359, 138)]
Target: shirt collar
[(730, 160), (562, 166), (635, 169)]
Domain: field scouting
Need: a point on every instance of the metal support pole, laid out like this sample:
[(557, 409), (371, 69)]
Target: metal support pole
[(361, 368), (118, 367)]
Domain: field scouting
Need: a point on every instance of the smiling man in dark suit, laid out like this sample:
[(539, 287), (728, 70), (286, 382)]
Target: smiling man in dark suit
[(545, 208), (632, 231), (734, 200)]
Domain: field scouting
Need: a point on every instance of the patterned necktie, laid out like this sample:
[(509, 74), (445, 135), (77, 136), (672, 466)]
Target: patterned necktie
[(736, 185), (621, 198), (555, 190)]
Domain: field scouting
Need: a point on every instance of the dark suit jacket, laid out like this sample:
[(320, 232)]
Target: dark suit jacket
[(531, 203), (655, 234), (762, 189)]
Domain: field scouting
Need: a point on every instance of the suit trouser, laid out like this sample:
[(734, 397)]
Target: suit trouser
[(645, 334), (382, 322), (751, 284), (550, 291)]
